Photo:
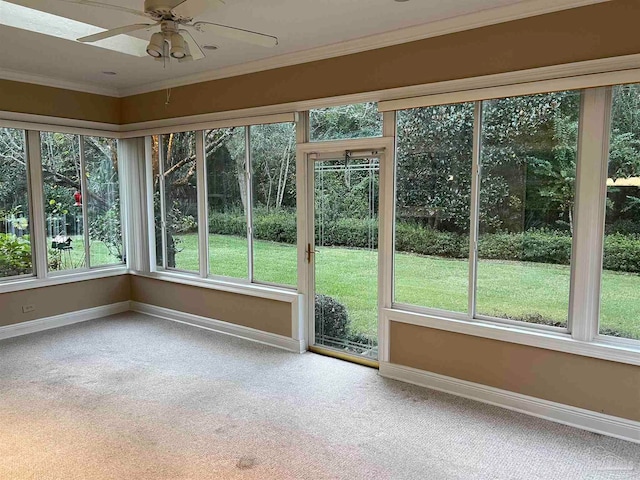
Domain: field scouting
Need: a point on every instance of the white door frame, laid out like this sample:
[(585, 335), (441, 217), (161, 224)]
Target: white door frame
[(385, 146)]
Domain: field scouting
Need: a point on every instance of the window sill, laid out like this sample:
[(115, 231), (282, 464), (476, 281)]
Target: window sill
[(28, 283), (250, 289), (625, 351)]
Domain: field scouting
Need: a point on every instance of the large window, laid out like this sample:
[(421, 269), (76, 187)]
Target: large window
[(176, 201), (273, 164), (103, 201), (15, 243), (527, 193), (81, 187), (347, 121), (227, 189), (620, 308), (527, 156), (63, 197), (433, 198)]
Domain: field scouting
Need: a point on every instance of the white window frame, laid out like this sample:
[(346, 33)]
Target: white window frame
[(204, 271), (581, 336), (39, 248)]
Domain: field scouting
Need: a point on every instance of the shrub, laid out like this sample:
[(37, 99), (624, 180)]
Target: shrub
[(541, 246), (227, 223), (621, 251), (15, 255), (332, 319), (279, 226)]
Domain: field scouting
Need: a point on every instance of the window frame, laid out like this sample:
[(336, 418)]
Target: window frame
[(41, 276), (85, 216), (581, 335), (34, 272), (204, 271)]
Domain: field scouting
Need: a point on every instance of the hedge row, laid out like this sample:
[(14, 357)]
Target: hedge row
[(621, 252)]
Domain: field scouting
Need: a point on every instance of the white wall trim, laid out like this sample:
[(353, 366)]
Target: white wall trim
[(27, 283), (250, 289), (624, 352), (31, 121), (36, 79), (556, 412), (483, 18), (247, 333), (47, 323)]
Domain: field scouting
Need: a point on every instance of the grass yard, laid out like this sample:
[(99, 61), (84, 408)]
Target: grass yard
[(516, 289), (75, 258)]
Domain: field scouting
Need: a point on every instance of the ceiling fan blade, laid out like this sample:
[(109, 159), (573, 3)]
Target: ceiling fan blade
[(115, 31), (239, 34), (195, 50), (193, 8), (93, 3)]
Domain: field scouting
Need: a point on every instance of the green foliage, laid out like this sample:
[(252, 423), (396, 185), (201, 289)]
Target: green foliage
[(428, 241), (332, 319), (346, 121), (622, 253), (540, 246), (277, 226), (15, 255), (106, 228)]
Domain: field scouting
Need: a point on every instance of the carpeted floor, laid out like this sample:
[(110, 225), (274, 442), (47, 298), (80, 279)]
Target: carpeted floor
[(134, 397)]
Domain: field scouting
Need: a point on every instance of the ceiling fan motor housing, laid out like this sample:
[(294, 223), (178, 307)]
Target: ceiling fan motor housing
[(163, 10)]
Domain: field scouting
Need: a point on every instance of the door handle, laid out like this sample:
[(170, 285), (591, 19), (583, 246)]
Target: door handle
[(310, 252)]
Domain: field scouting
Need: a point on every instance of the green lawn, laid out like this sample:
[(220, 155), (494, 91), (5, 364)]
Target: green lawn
[(515, 289), (75, 257)]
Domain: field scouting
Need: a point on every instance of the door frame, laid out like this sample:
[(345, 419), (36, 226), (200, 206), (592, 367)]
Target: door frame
[(385, 146)]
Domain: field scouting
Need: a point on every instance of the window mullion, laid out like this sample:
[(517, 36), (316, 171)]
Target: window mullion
[(38, 224), (476, 173), (150, 209), (163, 209), (203, 217), (249, 200), (85, 198), (588, 238)]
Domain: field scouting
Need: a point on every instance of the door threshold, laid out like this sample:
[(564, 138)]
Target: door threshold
[(330, 352)]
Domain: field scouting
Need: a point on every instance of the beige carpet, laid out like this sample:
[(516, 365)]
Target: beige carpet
[(134, 397)]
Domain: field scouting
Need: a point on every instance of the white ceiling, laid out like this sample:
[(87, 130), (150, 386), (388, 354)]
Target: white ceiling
[(300, 25)]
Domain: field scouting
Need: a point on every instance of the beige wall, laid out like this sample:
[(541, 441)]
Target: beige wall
[(59, 299), (597, 31), (598, 385), (56, 102), (259, 313)]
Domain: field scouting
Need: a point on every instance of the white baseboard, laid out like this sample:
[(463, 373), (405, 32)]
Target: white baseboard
[(556, 412), (219, 326), (32, 326)]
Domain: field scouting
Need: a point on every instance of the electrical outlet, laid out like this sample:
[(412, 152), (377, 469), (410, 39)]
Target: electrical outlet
[(28, 308)]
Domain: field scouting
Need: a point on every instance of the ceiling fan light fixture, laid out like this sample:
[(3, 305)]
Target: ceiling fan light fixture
[(187, 57), (178, 49), (156, 45)]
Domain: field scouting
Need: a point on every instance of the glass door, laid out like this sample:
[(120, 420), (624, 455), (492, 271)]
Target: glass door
[(344, 254)]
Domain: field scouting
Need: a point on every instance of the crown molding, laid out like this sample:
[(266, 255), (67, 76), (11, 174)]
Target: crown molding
[(483, 18), (16, 76)]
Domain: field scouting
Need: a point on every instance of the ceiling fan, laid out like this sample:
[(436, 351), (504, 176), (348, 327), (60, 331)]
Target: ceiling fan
[(173, 40)]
